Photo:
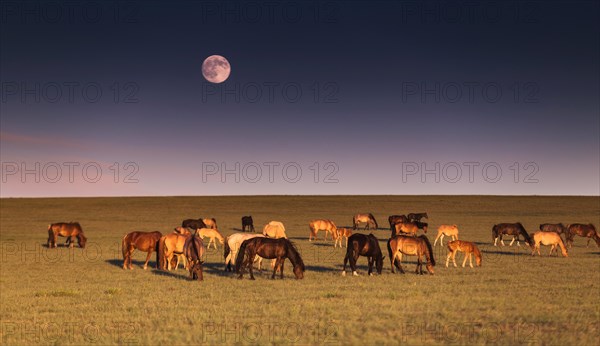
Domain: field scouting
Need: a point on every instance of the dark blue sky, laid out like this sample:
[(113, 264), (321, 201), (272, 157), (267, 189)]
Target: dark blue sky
[(372, 86)]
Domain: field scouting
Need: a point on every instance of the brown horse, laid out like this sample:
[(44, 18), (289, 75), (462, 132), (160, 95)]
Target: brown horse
[(270, 248), (446, 230), (412, 217), (71, 230), (194, 251), (210, 223), (586, 231), (514, 229), (410, 228), (274, 229), (554, 227), (369, 219), (321, 225), (394, 219), (411, 246), (143, 241), (363, 245), (170, 246), (468, 248), (342, 233), (548, 238)]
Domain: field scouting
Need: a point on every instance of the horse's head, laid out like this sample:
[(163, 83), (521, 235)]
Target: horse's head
[(81, 240), (379, 264), (299, 272), (429, 267), (196, 270)]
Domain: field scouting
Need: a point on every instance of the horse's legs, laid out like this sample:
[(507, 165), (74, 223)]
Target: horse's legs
[(471, 259), (277, 263), (448, 258), (347, 242), (250, 267), (147, 259), (370, 260), (353, 260), (465, 260), (345, 262), (513, 240), (436, 239), (282, 264)]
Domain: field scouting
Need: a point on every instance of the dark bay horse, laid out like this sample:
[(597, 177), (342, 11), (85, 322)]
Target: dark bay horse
[(411, 246), (194, 251), (71, 230), (554, 227), (582, 230), (412, 217), (193, 224), (363, 245), (394, 219), (514, 229), (247, 223), (368, 218), (270, 248), (143, 241)]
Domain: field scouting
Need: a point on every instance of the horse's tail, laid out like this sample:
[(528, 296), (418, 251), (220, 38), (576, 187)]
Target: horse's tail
[(563, 248), (525, 234), (240, 255), (375, 221), (157, 249), (494, 232), (226, 249), (311, 227), (124, 246), (429, 253), (160, 253), (390, 253)]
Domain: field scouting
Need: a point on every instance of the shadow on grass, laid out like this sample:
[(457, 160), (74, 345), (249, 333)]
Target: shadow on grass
[(134, 263), (508, 253), (322, 269), (171, 274)]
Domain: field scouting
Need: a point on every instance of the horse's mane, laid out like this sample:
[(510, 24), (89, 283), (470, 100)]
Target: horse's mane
[(495, 231), (297, 259), (429, 248), (241, 253), (525, 234)]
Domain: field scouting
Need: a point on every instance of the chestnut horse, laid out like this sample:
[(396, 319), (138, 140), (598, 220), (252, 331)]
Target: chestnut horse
[(232, 245), (170, 246), (71, 230), (143, 241), (247, 223), (411, 246), (369, 219), (394, 219), (410, 228), (270, 248), (274, 229), (514, 229), (194, 252), (321, 225), (468, 248), (446, 230), (548, 238), (210, 223), (212, 234), (363, 245), (342, 233), (586, 231)]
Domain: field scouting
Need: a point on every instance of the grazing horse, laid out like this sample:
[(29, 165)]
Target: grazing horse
[(143, 241), (363, 245), (514, 229), (170, 246), (194, 252), (410, 228), (548, 238), (342, 233), (586, 231), (321, 225), (412, 217), (411, 246), (270, 248), (554, 227), (274, 229), (232, 245), (210, 223), (448, 231), (468, 248), (369, 219), (71, 230), (193, 224), (247, 223), (212, 234), (394, 219)]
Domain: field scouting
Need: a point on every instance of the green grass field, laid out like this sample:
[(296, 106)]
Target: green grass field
[(74, 296)]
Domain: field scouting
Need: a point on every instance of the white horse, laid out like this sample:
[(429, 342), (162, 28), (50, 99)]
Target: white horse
[(274, 229), (232, 245)]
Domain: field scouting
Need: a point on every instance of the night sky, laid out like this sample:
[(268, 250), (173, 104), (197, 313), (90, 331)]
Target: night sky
[(370, 90)]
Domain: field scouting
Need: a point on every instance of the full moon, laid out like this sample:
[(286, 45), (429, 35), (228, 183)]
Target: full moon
[(216, 69)]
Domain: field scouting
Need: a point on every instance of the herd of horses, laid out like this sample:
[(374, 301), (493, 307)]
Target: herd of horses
[(243, 250)]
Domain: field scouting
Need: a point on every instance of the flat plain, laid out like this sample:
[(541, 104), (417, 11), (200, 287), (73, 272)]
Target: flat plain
[(83, 296)]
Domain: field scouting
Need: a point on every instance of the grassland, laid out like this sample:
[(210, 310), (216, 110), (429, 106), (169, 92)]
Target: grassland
[(75, 296)]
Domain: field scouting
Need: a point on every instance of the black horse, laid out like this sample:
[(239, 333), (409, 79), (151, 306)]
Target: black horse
[(363, 245), (193, 224), (412, 217), (248, 223), (514, 229), (269, 248), (394, 219)]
